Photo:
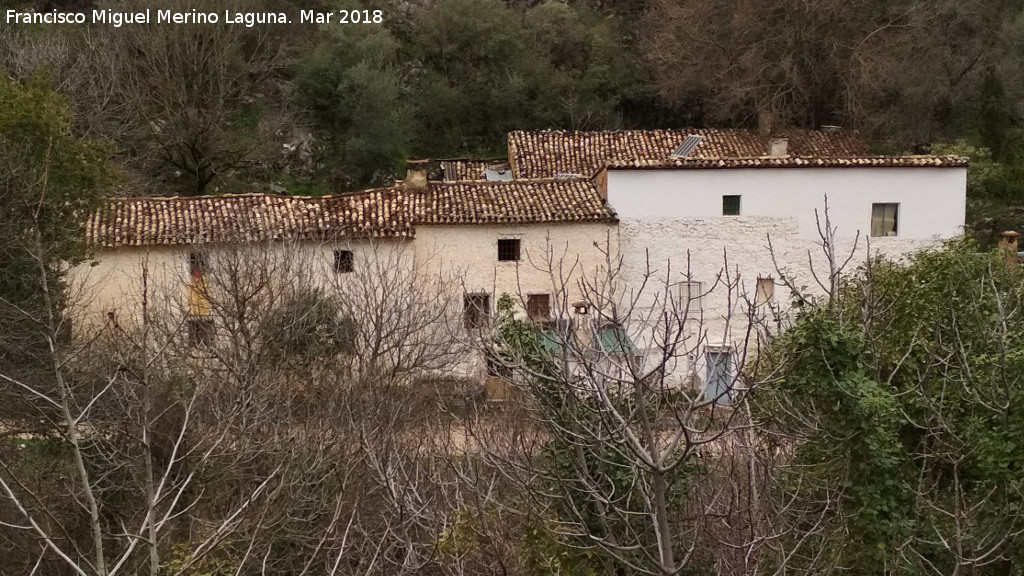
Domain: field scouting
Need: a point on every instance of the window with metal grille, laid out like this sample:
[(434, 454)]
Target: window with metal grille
[(508, 249), (538, 307), (197, 263), (476, 311), (344, 261), (884, 219), (730, 205)]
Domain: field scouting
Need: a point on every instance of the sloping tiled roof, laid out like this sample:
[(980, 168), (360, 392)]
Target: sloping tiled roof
[(513, 201), (794, 162), (247, 218), (384, 213), (548, 153), (465, 169)]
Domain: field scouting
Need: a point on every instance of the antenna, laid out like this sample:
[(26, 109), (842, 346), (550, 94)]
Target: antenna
[(689, 143)]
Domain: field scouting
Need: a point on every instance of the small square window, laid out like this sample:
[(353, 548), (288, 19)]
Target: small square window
[(884, 219), (496, 368), (765, 291), (200, 332), (476, 311), (344, 261), (508, 250), (538, 307), (730, 205), (691, 297)]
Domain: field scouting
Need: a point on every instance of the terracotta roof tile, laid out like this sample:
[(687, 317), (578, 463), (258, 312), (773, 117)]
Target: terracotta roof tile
[(513, 201), (793, 162), (549, 153), (469, 169), (384, 213), (247, 218)]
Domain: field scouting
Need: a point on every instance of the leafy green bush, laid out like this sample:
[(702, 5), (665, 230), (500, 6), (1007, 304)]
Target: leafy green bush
[(901, 409)]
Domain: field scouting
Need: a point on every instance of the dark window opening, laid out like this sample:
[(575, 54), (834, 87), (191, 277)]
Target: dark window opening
[(476, 311), (730, 205), (538, 307), (508, 249), (344, 261), (496, 368), (200, 332), (197, 263)]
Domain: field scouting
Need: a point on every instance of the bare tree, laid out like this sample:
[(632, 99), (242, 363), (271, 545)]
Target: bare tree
[(260, 417), (806, 64), (621, 428), (187, 104)]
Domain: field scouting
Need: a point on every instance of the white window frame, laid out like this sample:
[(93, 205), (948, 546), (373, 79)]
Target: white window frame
[(764, 291), (696, 301), (730, 377)]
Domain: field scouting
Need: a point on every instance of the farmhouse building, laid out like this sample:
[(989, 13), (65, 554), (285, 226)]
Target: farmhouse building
[(694, 208), (701, 207)]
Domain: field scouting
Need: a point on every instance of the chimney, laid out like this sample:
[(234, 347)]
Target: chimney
[(416, 175), (778, 147)]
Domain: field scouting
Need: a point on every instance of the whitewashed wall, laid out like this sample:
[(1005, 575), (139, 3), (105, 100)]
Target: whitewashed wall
[(932, 200), (671, 219), (667, 218)]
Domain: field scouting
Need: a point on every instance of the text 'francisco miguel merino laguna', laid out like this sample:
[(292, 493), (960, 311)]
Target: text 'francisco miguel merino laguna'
[(118, 19)]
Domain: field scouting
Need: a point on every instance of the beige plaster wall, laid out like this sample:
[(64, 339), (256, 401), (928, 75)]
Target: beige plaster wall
[(112, 282), (553, 256)]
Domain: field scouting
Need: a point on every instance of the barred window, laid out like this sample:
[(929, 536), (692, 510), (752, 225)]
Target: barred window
[(476, 311), (538, 307), (508, 250), (197, 263), (200, 332), (730, 205)]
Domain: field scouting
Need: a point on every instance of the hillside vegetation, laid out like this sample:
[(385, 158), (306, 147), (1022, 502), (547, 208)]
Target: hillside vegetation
[(307, 427), (200, 109)]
